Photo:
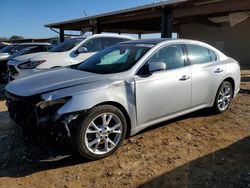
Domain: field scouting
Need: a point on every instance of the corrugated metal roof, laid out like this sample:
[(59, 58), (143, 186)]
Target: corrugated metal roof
[(152, 5)]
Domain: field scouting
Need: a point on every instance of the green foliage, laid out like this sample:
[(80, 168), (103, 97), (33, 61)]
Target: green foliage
[(15, 37)]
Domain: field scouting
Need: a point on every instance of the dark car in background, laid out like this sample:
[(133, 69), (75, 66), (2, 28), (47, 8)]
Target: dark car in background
[(13, 48), (2, 46), (18, 50)]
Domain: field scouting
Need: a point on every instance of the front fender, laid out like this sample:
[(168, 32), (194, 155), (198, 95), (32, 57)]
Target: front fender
[(85, 97), (88, 100)]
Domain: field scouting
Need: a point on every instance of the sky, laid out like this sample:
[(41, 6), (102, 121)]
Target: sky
[(27, 17)]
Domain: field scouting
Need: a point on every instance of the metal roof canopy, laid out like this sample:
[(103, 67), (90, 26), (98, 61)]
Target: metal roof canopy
[(161, 17)]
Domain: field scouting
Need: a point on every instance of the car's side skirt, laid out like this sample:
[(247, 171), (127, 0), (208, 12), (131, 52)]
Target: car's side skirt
[(168, 117)]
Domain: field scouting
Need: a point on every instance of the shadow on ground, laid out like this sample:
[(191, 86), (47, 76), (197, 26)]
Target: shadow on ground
[(19, 159), (228, 167)]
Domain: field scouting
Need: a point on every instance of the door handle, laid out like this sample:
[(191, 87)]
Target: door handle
[(218, 70), (184, 78)]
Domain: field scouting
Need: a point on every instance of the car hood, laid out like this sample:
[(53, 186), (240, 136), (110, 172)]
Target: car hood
[(27, 57), (51, 80)]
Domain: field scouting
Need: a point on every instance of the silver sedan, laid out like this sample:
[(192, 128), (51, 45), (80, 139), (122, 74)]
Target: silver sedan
[(122, 90)]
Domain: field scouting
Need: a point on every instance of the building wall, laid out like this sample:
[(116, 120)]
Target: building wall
[(233, 41)]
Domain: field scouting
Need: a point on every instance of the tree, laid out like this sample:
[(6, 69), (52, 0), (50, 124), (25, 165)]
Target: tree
[(15, 37)]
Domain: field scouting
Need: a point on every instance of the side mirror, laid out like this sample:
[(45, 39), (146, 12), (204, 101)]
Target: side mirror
[(82, 50), (157, 66)]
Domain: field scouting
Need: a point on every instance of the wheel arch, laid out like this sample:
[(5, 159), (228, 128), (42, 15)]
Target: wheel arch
[(123, 110), (231, 81), (228, 79)]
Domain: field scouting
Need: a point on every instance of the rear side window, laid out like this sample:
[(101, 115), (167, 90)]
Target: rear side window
[(200, 55), (111, 41), (213, 55)]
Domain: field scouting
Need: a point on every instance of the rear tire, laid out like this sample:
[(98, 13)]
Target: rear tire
[(100, 132), (223, 97)]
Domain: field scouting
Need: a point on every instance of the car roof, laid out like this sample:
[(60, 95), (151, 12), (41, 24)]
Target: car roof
[(33, 43), (148, 41), (104, 35)]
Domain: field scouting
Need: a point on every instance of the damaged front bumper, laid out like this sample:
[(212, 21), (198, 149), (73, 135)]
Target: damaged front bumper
[(40, 118)]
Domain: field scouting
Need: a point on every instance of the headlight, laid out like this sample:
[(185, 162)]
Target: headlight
[(50, 107), (31, 64)]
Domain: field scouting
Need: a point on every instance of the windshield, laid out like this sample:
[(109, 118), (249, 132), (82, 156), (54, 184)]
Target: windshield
[(20, 52), (117, 58), (18, 48), (66, 45), (6, 49)]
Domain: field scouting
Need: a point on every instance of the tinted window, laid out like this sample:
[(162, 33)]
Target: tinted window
[(93, 45), (212, 55), (66, 45), (199, 55), (114, 59), (20, 52), (171, 55), (19, 47), (39, 49), (111, 41), (6, 49), (2, 46)]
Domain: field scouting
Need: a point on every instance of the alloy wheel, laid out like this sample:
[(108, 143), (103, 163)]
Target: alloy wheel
[(103, 133), (224, 98)]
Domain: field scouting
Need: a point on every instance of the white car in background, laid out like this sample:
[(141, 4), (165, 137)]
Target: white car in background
[(70, 52)]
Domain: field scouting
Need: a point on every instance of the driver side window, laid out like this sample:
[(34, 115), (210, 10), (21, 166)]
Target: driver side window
[(171, 55), (93, 45)]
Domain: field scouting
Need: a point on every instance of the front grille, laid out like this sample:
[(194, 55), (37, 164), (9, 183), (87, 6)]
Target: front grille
[(35, 119), (22, 113), (22, 110), (12, 70)]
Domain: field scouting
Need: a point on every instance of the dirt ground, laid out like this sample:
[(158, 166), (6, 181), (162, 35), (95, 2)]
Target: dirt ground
[(196, 150)]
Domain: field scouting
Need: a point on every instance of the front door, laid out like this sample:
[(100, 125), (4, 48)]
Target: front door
[(93, 46), (163, 92)]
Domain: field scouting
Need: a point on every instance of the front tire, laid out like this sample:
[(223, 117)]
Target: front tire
[(223, 97), (101, 131)]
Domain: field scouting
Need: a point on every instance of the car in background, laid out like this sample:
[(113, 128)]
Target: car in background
[(121, 91), (70, 52), (4, 52), (4, 72), (2, 46), (13, 48)]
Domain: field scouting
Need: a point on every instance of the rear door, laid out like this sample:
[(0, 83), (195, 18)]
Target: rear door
[(207, 73)]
